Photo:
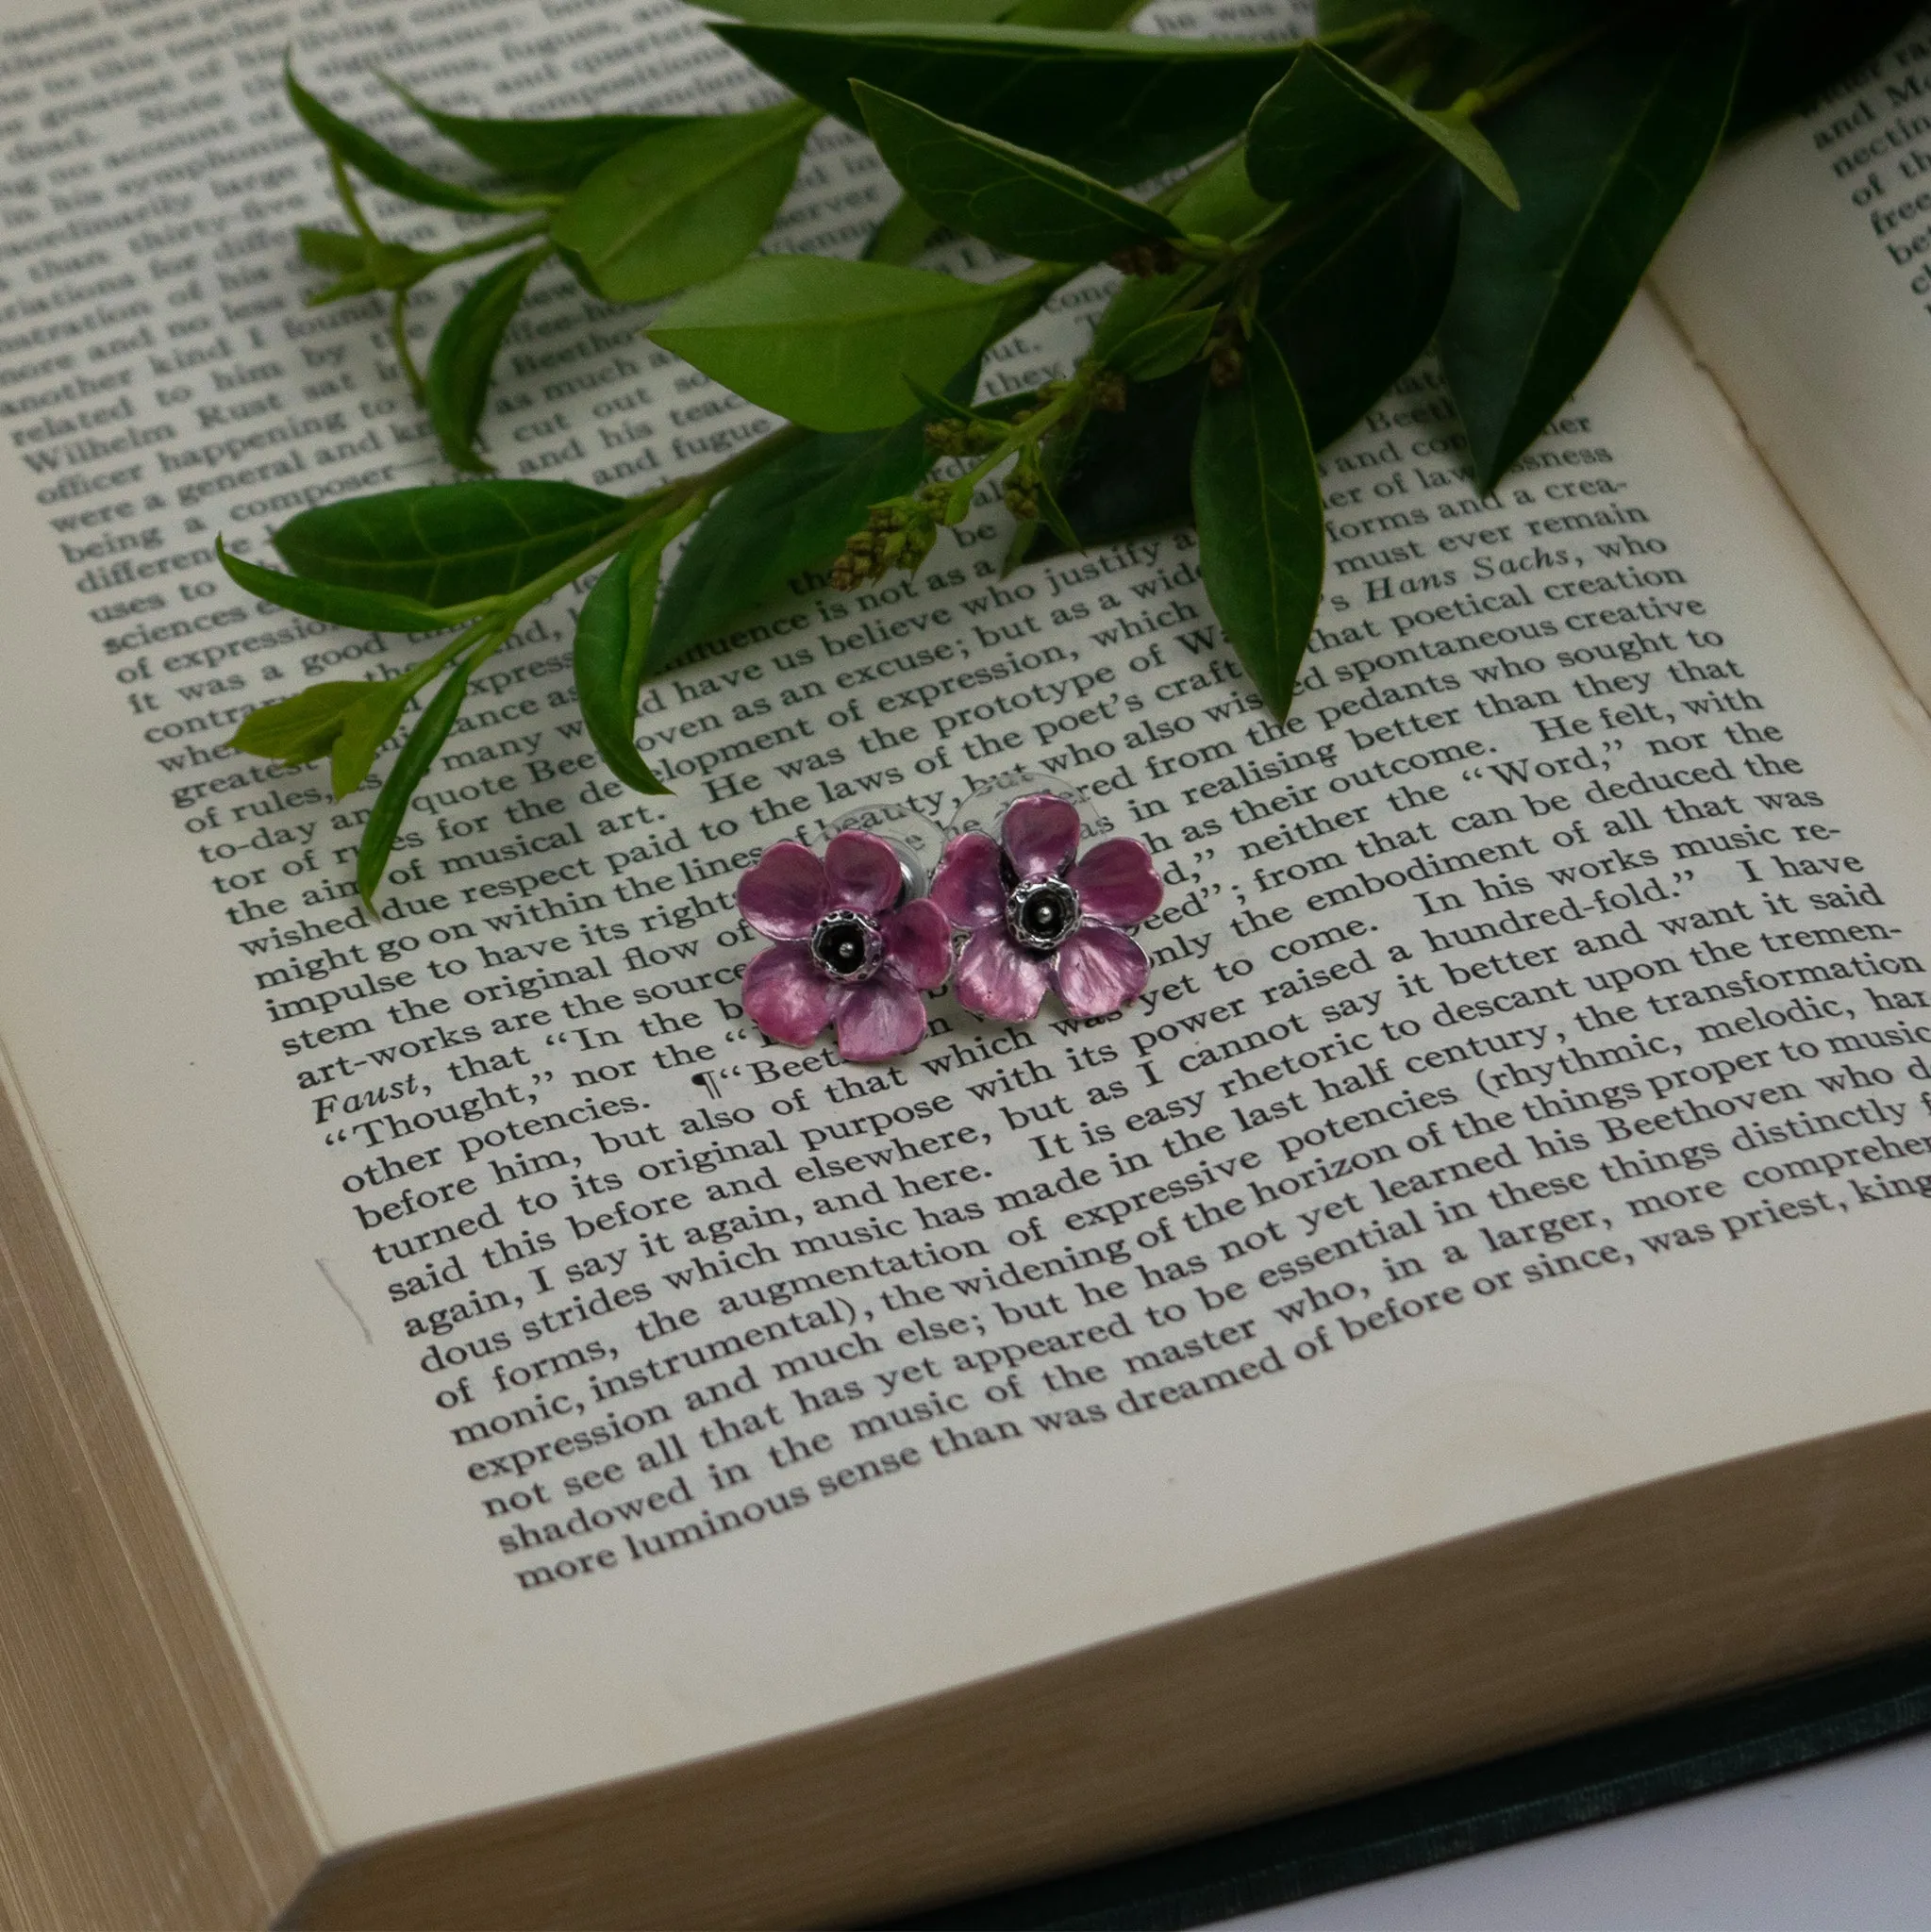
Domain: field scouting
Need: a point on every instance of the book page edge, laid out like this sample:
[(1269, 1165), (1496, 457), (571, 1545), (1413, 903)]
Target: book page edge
[(141, 1780)]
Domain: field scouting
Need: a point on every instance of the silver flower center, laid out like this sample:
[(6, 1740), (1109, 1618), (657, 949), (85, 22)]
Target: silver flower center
[(1040, 913), (847, 946)]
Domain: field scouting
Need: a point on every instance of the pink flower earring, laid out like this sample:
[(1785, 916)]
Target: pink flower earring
[(1038, 917), (856, 947)]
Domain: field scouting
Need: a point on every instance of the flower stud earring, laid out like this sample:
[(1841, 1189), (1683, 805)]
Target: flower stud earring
[(856, 946), (1038, 917)]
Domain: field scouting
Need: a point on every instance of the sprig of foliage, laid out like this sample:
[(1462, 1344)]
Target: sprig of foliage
[(1493, 175)]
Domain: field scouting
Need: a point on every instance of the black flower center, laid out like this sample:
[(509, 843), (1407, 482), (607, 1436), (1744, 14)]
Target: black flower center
[(847, 946), (1040, 913)]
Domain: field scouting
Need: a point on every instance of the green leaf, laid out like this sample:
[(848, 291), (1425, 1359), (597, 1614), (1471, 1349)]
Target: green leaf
[(1799, 50), (1024, 203), (1257, 494), (1222, 202), (366, 726), (903, 236), (362, 262), (794, 513), (300, 729), (340, 253), (1077, 13), (1139, 300), (684, 206), (1120, 105), (418, 753), (334, 603), (1608, 147), (1515, 26), (1353, 302), (1326, 119), (1351, 306), (368, 157), (829, 342), (449, 542), (1129, 470), (941, 405), (613, 634), (1087, 16), (553, 153), (457, 384), (1165, 345), (862, 12), (1338, 16)]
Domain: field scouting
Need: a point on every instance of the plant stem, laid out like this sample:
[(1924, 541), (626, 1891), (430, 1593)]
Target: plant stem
[(346, 194), (1028, 430), (1479, 100), (399, 336), (488, 244)]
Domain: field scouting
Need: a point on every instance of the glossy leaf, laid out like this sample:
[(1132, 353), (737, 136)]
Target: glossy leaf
[(366, 726), (1326, 119), (1799, 49), (298, 730), (386, 169), (828, 342), (1025, 202), (946, 404), (863, 12), (1085, 16), (1221, 201), (417, 754), (903, 236), (684, 206), (1073, 13), (1164, 345), (329, 248), (360, 263), (1354, 301), (457, 381), (1256, 497), (1514, 25), (1129, 471), (1139, 300), (1608, 148), (613, 634), (794, 513), (1351, 306), (553, 154), (1120, 105), (449, 542), (1338, 16), (333, 603)]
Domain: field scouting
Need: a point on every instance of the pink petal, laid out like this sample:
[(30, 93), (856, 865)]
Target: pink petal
[(1000, 979), (879, 1019), (785, 996), (1116, 882), (862, 872), (1097, 971), (917, 944), (1041, 834), (967, 887), (784, 893)]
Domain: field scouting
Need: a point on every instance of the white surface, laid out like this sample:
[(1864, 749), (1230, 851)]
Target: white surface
[(1844, 1843)]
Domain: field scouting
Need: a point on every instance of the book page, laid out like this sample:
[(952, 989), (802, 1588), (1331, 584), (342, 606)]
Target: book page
[(1802, 274), (1528, 1099)]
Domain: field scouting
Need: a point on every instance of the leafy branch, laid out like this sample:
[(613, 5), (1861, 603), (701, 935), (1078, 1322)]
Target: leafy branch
[(1490, 176)]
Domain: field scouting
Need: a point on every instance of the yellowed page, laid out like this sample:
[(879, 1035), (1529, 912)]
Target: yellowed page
[(1802, 273), (1454, 1165)]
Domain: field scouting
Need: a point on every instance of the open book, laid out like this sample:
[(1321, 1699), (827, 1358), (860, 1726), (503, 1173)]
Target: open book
[(490, 1440)]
